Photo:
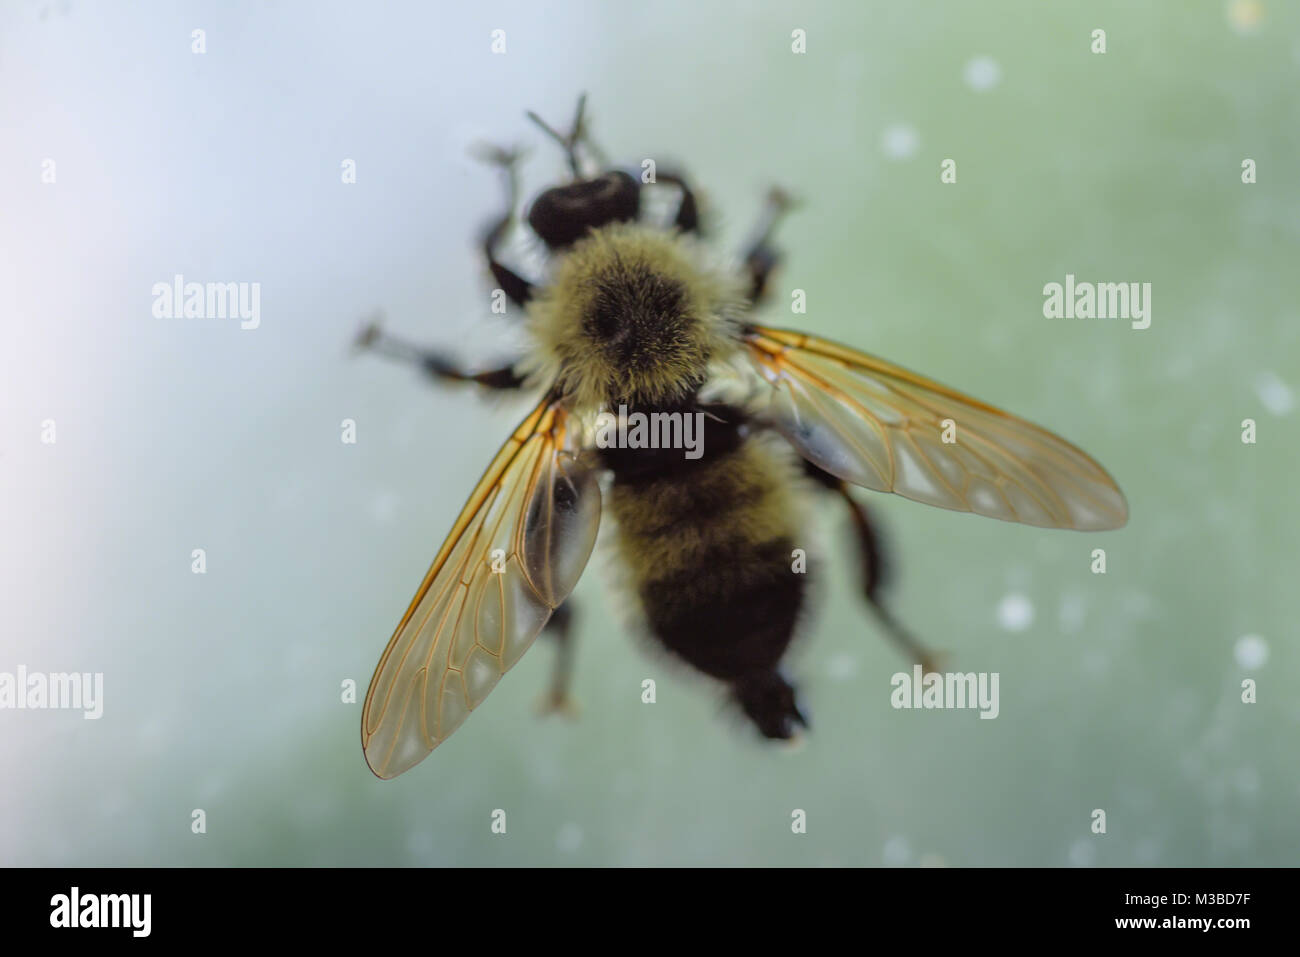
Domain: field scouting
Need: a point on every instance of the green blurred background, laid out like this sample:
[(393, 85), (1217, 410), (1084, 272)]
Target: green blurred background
[(222, 691)]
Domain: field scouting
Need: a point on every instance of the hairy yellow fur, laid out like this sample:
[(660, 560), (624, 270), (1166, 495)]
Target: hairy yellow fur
[(589, 373), (731, 505)]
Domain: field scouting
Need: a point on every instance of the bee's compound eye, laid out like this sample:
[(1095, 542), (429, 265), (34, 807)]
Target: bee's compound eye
[(562, 215)]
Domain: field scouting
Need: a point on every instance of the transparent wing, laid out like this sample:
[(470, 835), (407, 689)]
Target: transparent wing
[(512, 557), (879, 426)]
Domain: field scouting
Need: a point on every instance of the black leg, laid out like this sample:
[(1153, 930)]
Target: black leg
[(435, 364), (560, 627), (688, 214), (518, 289), (874, 569), (762, 257)]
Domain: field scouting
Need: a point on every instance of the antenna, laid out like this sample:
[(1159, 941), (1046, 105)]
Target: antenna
[(569, 142)]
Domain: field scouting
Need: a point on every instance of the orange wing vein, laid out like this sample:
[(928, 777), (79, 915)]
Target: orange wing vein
[(877, 425), (512, 556)]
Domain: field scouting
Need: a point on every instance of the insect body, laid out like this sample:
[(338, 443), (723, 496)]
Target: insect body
[(631, 322), (635, 318)]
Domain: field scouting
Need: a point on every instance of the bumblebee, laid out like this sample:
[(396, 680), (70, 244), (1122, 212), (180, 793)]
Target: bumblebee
[(634, 315)]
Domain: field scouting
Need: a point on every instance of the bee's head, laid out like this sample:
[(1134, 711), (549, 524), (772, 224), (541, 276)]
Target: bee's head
[(564, 214), (630, 318)]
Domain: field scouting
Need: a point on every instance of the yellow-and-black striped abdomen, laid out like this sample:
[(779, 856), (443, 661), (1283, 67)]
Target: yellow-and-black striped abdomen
[(708, 546)]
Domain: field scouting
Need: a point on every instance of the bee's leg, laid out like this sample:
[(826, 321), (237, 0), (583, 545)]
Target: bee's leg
[(435, 364), (557, 696), (518, 289), (874, 569), (762, 257), (688, 214)]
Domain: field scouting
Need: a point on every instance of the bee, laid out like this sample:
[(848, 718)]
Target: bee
[(634, 315)]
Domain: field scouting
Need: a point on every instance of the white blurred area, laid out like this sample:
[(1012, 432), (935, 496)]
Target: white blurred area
[(175, 434)]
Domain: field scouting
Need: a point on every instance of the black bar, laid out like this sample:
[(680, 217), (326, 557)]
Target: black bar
[(337, 905)]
